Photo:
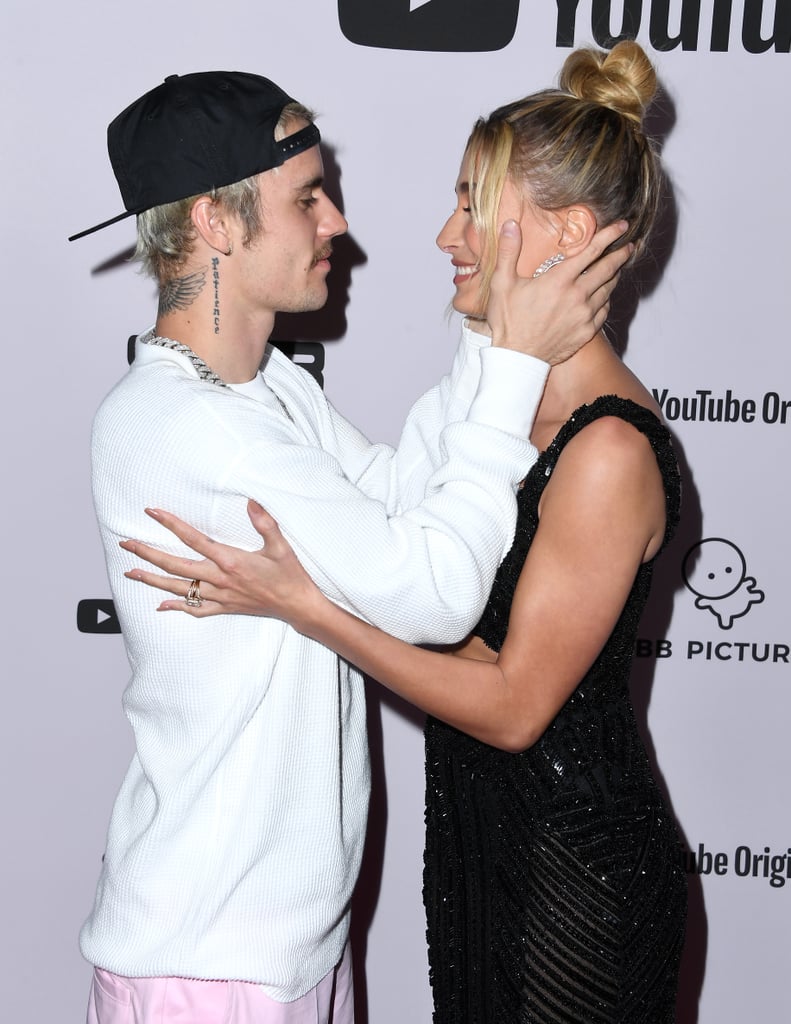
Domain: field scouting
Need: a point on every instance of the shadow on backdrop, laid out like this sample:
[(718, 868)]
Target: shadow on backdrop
[(366, 895), (329, 323), (654, 625), (639, 282), (643, 278)]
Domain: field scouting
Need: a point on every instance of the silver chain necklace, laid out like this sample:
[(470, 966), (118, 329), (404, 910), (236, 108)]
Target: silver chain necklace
[(202, 368), (204, 371)]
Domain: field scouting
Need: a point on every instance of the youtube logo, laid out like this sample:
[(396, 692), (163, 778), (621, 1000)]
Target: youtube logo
[(451, 26), (97, 615)]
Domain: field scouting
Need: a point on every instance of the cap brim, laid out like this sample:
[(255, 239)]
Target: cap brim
[(291, 145), (104, 224)]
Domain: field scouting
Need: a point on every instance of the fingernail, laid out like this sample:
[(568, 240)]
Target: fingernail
[(153, 512), (509, 227)]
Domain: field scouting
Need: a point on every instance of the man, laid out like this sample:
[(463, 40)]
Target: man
[(236, 838)]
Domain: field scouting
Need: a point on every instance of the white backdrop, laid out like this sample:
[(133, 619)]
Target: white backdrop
[(710, 336)]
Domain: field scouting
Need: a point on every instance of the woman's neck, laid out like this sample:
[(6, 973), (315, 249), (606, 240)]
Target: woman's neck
[(593, 371)]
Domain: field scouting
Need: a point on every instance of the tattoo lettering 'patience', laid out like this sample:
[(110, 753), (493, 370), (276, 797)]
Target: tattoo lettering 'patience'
[(215, 273), (181, 292)]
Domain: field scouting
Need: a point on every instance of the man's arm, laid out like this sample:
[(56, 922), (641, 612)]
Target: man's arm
[(422, 572), (548, 318)]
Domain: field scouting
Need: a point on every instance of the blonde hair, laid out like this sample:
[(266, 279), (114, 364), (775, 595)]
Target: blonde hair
[(166, 235), (580, 143)]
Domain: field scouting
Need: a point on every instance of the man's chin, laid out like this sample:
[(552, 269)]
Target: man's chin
[(309, 303)]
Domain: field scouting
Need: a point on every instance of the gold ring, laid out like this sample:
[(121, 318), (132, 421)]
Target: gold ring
[(193, 598)]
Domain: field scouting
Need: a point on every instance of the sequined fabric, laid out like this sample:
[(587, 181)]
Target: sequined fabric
[(553, 884)]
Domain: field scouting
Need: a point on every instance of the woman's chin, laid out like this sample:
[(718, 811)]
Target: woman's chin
[(467, 308)]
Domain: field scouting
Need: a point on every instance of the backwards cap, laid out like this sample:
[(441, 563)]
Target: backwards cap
[(195, 133)]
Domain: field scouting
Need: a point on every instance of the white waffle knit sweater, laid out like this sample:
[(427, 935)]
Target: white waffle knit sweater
[(236, 837)]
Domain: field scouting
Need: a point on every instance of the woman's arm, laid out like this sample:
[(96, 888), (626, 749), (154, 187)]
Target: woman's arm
[(602, 514)]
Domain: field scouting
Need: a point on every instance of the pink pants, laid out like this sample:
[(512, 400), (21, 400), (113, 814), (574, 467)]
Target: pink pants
[(117, 1000)]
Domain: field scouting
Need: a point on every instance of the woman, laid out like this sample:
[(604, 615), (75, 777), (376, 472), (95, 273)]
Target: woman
[(553, 885)]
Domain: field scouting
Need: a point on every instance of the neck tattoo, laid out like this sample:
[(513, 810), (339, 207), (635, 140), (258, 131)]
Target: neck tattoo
[(215, 276), (181, 292)]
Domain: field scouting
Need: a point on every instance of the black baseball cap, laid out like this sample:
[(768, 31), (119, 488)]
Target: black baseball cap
[(197, 132)]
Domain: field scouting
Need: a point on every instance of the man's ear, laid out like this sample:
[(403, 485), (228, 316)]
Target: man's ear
[(577, 228), (211, 223)]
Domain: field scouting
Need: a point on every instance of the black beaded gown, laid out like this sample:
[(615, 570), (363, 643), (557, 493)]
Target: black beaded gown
[(553, 882)]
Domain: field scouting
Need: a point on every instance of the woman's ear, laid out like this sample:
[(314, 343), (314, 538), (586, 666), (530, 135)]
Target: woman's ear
[(577, 228), (210, 222)]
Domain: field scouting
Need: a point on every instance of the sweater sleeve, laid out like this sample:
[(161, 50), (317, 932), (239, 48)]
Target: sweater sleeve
[(484, 385), (420, 568)]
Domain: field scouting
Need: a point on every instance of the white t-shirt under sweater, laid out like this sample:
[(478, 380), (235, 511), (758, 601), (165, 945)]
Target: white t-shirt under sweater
[(236, 838)]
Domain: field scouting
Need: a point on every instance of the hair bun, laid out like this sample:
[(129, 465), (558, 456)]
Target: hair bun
[(623, 79)]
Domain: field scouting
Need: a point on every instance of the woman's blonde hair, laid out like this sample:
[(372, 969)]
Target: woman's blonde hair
[(166, 235), (580, 143)]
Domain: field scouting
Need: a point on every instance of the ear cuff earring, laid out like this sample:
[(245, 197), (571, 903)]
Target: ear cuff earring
[(548, 264)]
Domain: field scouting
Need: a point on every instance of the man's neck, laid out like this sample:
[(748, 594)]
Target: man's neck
[(229, 341), (234, 358)]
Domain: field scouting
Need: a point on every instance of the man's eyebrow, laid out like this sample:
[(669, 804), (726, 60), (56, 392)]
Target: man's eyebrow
[(310, 186)]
